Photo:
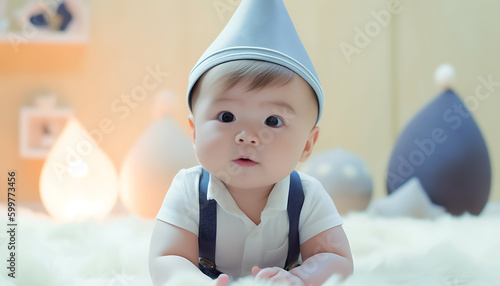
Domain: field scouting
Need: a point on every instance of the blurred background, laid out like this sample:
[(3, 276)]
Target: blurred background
[(375, 59)]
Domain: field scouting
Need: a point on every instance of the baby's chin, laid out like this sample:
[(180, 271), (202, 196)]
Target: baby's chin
[(249, 177), (241, 182)]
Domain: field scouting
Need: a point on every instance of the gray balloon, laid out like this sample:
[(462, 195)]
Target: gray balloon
[(345, 177)]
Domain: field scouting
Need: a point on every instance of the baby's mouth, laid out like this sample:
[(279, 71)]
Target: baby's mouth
[(245, 162)]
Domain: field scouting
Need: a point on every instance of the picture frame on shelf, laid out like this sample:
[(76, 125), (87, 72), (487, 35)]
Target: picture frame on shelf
[(51, 22), (39, 128)]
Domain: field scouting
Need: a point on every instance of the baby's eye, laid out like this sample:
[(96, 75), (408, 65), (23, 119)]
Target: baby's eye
[(274, 121), (226, 116)]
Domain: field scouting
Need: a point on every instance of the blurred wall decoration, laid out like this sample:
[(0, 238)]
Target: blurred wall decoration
[(154, 160), (40, 125), (78, 180), (52, 21)]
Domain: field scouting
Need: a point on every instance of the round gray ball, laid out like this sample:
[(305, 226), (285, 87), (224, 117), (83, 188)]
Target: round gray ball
[(345, 177)]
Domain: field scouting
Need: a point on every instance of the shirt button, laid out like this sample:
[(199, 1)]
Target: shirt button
[(255, 234)]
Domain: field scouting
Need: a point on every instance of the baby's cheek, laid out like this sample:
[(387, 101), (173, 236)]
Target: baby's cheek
[(203, 153), (286, 149), (209, 143), (210, 151)]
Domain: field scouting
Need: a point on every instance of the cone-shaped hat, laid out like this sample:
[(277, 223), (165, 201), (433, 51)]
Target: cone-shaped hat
[(260, 30)]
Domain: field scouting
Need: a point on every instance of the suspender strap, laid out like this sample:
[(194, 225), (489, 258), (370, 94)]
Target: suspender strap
[(207, 231), (208, 225), (295, 202)]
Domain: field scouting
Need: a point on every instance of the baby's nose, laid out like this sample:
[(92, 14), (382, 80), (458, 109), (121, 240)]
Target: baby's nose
[(247, 137)]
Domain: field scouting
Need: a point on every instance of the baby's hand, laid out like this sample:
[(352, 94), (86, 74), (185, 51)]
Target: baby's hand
[(276, 274), (222, 280)]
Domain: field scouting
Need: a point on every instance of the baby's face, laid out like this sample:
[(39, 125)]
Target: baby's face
[(253, 139)]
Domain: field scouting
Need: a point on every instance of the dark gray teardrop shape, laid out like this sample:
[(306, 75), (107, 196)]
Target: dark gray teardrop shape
[(443, 147)]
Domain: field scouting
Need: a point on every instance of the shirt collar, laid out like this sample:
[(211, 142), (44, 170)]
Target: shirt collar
[(277, 200)]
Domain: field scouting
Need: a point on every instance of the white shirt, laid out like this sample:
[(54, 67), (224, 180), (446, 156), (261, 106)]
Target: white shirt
[(241, 244)]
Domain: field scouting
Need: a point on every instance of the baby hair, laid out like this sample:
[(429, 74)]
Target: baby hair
[(257, 74)]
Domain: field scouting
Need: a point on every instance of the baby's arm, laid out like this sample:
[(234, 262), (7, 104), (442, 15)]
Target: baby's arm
[(173, 255), (325, 254)]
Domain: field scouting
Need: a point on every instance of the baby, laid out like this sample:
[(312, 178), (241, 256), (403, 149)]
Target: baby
[(244, 211)]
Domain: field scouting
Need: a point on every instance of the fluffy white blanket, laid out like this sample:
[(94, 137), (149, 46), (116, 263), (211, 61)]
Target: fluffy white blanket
[(387, 251)]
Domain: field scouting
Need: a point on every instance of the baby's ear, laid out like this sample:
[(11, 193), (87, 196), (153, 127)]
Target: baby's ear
[(308, 148), (191, 124)]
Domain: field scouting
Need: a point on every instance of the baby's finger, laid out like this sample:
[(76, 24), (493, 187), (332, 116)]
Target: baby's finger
[(222, 280), (267, 273), (256, 270), (285, 276), (281, 276)]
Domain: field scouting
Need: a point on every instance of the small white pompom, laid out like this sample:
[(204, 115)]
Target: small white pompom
[(165, 103), (444, 76)]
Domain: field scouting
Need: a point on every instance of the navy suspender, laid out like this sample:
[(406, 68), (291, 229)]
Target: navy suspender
[(295, 202), (207, 229), (208, 225)]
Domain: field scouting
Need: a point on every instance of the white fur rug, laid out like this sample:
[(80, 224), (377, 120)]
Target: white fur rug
[(399, 251)]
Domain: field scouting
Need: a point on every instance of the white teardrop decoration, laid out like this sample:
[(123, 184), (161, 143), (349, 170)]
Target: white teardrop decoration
[(154, 160), (78, 180)]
